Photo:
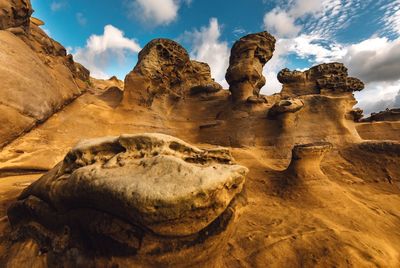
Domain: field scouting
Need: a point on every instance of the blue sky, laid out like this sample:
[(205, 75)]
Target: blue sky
[(106, 36)]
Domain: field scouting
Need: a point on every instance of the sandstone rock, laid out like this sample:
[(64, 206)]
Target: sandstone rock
[(356, 114), (285, 106), (248, 56), (387, 115), (15, 13), (38, 77), (164, 68), (306, 160), (150, 184), (327, 77)]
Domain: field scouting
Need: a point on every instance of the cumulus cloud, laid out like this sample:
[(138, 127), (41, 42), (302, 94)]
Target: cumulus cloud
[(281, 23), (102, 50), (156, 12), (375, 59), (206, 46)]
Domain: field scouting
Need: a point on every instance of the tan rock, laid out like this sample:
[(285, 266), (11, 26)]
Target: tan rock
[(152, 180), (248, 56), (15, 14), (165, 69), (285, 106), (327, 77)]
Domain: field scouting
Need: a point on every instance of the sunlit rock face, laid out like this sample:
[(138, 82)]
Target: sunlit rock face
[(15, 14), (165, 69), (152, 194), (248, 56)]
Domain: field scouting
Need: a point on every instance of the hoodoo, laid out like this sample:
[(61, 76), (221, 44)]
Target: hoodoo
[(248, 56)]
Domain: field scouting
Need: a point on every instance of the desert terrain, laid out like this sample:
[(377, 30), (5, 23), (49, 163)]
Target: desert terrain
[(169, 169)]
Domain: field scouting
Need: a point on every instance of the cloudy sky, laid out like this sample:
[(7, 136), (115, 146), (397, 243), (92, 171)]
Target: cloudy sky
[(106, 36)]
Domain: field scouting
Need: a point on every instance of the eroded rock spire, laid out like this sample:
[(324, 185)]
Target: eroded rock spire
[(248, 56)]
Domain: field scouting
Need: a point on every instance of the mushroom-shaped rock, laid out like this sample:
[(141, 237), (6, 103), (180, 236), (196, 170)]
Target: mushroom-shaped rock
[(248, 56), (285, 106), (306, 160), (327, 77), (164, 68), (148, 185)]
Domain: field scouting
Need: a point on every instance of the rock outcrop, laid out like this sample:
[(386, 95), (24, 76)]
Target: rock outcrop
[(15, 13), (324, 78), (38, 77), (306, 160), (165, 69), (285, 106), (387, 115), (248, 56), (154, 195)]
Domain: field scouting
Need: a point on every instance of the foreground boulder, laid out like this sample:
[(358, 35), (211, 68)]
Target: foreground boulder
[(153, 195), (248, 56), (165, 69)]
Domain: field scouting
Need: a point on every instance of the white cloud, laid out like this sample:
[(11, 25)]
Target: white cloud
[(156, 12), (391, 17), (82, 20), (281, 23), (375, 59), (102, 50), (207, 47), (58, 5)]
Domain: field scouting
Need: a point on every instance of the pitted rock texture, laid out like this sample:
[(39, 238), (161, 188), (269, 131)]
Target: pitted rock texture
[(164, 68), (285, 106), (153, 181), (320, 79), (15, 13), (248, 56)]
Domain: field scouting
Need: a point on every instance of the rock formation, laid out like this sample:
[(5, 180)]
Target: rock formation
[(306, 160), (248, 56), (387, 115), (15, 14), (152, 194), (285, 106), (151, 200), (38, 77), (320, 79), (165, 69)]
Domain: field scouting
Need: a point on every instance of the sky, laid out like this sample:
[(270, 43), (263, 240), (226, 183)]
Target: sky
[(106, 36)]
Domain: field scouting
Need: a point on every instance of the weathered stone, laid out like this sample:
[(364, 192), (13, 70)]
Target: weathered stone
[(152, 180), (387, 115), (285, 106), (164, 68), (327, 77), (15, 14), (248, 56)]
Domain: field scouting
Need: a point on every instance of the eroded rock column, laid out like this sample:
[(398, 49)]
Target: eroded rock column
[(248, 56)]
